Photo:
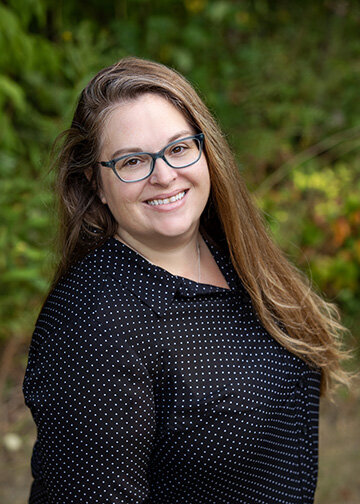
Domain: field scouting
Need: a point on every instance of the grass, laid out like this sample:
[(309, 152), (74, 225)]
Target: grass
[(339, 460)]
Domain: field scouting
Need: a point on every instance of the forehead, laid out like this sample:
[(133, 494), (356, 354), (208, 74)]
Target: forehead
[(147, 121)]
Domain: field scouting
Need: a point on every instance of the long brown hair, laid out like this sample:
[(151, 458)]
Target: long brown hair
[(289, 309)]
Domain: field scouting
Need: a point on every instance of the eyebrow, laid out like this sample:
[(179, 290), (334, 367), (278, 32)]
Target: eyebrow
[(130, 150)]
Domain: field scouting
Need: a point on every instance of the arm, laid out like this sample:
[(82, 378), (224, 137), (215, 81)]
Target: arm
[(92, 400)]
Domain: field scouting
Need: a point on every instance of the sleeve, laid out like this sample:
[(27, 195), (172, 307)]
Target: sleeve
[(92, 400)]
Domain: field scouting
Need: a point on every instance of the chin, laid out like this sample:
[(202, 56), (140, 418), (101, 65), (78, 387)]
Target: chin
[(175, 231)]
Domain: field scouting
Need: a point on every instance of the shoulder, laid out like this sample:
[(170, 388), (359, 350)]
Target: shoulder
[(88, 284), (92, 316)]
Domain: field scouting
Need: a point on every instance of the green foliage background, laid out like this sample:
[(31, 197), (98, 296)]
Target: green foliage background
[(282, 78)]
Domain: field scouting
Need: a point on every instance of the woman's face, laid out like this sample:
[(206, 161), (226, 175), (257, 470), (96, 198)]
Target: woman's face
[(147, 124)]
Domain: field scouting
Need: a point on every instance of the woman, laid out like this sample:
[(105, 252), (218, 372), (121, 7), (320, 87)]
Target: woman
[(179, 356)]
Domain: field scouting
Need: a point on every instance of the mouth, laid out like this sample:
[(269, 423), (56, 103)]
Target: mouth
[(177, 197)]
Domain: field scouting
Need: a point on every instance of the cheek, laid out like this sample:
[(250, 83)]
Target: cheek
[(205, 176), (117, 194)]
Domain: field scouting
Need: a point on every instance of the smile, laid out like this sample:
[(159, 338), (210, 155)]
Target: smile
[(166, 201)]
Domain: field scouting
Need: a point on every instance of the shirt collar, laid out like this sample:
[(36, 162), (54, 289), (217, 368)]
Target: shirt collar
[(153, 285)]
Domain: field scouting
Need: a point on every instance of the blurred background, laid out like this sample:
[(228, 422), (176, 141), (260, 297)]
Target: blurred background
[(283, 80)]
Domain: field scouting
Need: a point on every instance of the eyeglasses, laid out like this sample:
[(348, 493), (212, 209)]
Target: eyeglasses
[(140, 165)]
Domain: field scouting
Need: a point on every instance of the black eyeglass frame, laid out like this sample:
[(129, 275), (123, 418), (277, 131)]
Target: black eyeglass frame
[(158, 155)]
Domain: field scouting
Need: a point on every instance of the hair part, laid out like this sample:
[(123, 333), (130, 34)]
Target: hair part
[(289, 309)]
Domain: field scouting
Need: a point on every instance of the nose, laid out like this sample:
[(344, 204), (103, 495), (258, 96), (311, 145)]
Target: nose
[(163, 174)]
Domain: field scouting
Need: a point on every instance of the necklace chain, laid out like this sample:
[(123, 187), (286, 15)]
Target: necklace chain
[(146, 259), (199, 260)]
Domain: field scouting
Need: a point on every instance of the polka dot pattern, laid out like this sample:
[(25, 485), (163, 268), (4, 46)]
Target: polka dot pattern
[(150, 388)]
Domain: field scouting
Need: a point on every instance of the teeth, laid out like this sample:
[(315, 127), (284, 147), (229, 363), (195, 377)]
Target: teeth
[(165, 201)]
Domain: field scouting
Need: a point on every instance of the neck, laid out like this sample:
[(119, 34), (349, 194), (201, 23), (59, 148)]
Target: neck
[(179, 258)]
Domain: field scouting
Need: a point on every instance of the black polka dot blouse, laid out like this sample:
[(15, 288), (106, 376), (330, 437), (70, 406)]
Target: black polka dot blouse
[(150, 388)]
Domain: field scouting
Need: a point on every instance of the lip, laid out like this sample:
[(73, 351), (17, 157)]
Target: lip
[(169, 207), (166, 195)]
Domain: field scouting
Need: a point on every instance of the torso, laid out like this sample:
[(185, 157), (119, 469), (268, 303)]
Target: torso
[(210, 271), (167, 390)]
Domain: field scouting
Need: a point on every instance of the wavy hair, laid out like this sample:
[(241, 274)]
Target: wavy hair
[(297, 317)]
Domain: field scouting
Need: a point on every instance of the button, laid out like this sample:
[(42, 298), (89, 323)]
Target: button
[(301, 383)]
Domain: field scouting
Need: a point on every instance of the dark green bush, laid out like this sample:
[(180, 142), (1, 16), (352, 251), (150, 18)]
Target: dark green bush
[(282, 79)]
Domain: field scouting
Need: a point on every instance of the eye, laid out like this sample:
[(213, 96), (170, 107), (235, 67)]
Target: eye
[(130, 162), (179, 148)]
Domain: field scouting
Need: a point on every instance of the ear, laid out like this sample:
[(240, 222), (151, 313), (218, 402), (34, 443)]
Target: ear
[(102, 197), (88, 174)]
